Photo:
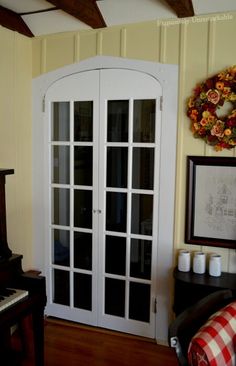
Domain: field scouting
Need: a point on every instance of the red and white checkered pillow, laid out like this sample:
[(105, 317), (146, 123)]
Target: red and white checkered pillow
[(215, 342)]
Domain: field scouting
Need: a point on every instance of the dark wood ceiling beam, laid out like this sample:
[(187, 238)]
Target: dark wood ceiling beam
[(183, 8), (86, 11), (11, 20)]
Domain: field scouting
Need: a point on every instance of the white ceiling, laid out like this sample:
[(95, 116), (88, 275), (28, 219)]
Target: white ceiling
[(115, 12)]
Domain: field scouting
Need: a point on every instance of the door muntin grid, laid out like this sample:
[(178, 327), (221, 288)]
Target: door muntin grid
[(130, 150), (72, 202)]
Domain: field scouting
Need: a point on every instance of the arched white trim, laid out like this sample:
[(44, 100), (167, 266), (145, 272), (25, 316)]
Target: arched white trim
[(167, 75)]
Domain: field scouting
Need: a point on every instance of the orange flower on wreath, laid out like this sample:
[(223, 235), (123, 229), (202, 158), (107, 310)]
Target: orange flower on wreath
[(194, 114), (220, 85), (227, 132), (204, 122)]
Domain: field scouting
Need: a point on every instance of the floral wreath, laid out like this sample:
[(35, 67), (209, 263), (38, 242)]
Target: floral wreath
[(202, 108)]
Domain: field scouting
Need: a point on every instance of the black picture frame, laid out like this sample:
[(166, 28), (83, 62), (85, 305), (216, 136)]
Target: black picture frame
[(210, 217)]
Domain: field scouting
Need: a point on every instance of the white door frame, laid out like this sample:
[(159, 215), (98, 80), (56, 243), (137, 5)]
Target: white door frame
[(167, 75)]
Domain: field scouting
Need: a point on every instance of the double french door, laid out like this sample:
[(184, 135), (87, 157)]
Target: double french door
[(103, 143)]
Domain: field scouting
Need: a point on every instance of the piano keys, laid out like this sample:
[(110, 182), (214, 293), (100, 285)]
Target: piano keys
[(11, 296), (33, 289)]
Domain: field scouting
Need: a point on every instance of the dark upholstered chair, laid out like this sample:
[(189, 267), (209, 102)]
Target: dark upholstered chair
[(186, 324)]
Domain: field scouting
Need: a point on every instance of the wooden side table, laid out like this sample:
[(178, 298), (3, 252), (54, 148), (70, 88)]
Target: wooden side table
[(190, 287)]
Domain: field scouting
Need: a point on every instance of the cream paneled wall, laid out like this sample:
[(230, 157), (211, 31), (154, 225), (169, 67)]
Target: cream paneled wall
[(200, 46), (15, 138)]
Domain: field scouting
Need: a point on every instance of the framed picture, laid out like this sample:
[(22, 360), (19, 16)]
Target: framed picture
[(211, 201)]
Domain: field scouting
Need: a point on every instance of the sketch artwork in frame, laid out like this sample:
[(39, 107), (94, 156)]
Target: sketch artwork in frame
[(211, 201)]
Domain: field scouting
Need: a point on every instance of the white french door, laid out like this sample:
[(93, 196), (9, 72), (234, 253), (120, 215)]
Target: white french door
[(103, 144)]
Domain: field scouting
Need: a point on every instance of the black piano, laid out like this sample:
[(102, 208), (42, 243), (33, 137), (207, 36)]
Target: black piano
[(22, 301)]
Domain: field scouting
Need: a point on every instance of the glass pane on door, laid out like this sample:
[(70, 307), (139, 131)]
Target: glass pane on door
[(117, 123), (144, 120), (61, 164), (83, 121), (139, 305), (83, 165), (116, 209), (143, 168), (115, 297), (61, 294), (117, 163), (61, 247), (60, 121), (83, 250), (61, 206), (141, 258), (83, 291), (141, 214), (83, 208), (115, 255)]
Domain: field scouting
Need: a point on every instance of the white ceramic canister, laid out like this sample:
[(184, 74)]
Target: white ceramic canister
[(184, 261), (199, 262), (215, 265)]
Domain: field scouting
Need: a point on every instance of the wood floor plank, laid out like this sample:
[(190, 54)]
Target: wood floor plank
[(70, 344)]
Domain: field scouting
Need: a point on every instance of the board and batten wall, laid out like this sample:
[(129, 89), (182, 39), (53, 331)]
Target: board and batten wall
[(15, 138), (201, 46)]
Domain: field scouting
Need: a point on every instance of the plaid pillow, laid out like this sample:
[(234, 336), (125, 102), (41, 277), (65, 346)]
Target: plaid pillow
[(215, 342)]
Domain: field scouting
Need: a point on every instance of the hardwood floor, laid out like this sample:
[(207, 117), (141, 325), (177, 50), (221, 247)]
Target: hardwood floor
[(70, 344)]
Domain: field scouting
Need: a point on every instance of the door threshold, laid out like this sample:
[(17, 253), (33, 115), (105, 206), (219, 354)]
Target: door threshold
[(70, 323)]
